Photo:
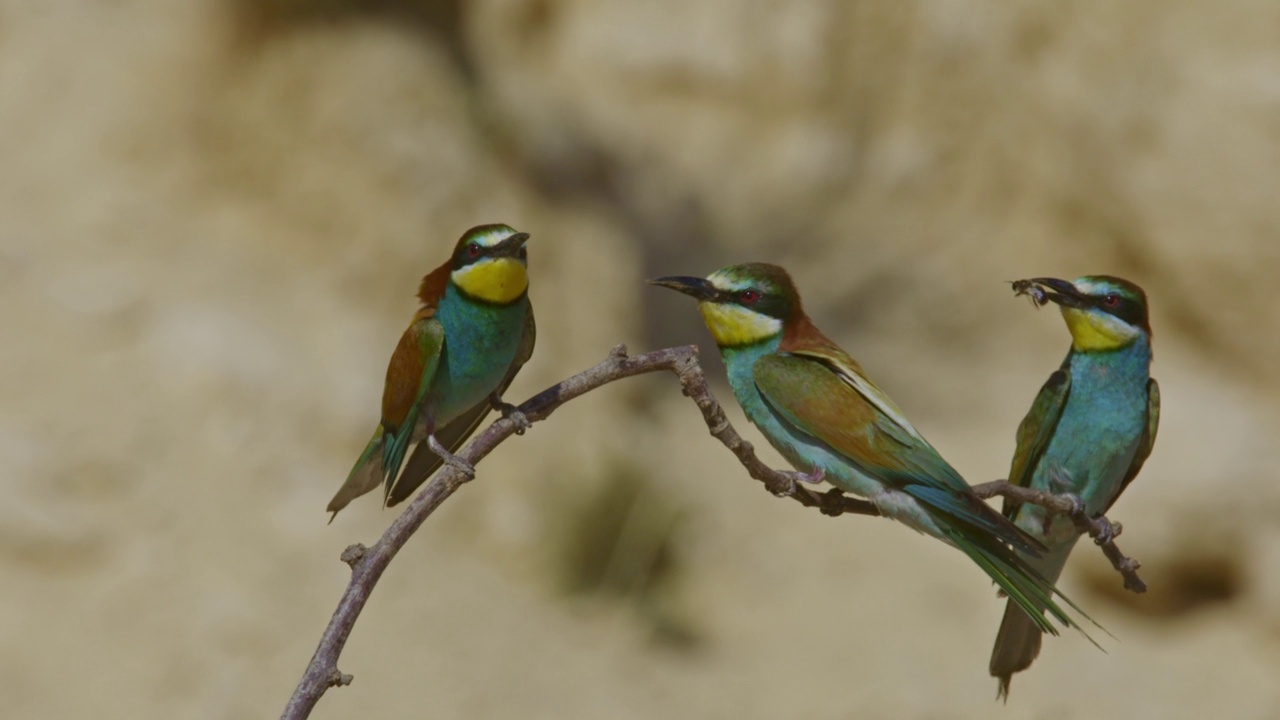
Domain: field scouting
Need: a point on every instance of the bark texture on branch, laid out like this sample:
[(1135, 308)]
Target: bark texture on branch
[(368, 563)]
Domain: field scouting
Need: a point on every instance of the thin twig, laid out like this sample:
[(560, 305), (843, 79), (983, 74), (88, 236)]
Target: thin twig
[(1103, 531), (782, 483), (368, 564)]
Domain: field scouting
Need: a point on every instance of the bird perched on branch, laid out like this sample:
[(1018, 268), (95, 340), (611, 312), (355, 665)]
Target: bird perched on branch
[(472, 334), (1088, 432), (817, 407)]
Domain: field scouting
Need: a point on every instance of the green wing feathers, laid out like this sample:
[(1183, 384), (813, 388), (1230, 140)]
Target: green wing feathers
[(423, 461), (820, 402), (889, 418), (1146, 443), (420, 349), (409, 375), (365, 476), (1036, 430)]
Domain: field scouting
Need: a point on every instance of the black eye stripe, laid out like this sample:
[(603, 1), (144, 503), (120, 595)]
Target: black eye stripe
[(768, 303), (468, 254), (1126, 309)]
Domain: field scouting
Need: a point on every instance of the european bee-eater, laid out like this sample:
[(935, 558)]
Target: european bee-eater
[(1088, 432), (471, 336), (817, 407)]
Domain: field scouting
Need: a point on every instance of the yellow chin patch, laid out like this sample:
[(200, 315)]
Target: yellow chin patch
[(497, 280), (1091, 331), (735, 325)]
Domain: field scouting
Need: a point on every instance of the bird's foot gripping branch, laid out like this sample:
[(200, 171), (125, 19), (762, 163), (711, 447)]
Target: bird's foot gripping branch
[(368, 563)]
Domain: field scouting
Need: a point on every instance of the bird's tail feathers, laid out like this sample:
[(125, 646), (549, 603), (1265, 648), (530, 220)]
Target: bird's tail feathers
[(1004, 551), (1017, 646), (971, 512), (394, 451), (1023, 584), (364, 476)]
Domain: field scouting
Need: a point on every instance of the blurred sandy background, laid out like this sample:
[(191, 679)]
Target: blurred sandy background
[(213, 216)]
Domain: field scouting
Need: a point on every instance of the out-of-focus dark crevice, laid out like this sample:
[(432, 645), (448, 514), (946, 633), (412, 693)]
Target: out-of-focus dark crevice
[(621, 544), (1187, 585), (674, 234)]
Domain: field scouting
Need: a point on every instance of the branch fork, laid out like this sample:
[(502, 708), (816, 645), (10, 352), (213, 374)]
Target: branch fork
[(368, 563)]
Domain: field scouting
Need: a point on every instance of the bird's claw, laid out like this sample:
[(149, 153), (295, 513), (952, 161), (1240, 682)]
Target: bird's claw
[(450, 459), (510, 412), (1106, 530), (813, 477), (1077, 505)]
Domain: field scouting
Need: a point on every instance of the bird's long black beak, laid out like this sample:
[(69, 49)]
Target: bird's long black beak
[(694, 287), (1045, 289), (511, 246)]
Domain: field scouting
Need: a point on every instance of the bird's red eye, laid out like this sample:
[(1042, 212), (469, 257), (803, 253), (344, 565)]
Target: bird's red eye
[(473, 250), (749, 297), (1111, 301)]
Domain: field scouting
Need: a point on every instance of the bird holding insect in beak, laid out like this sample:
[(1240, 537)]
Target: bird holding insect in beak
[(472, 334), (1088, 431), (817, 407)]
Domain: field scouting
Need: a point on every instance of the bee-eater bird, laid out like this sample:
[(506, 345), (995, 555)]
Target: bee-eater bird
[(463, 347), (817, 407), (1088, 432)]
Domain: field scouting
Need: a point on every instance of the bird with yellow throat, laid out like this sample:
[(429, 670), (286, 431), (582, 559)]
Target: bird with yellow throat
[(816, 406), (1088, 432), (471, 335)]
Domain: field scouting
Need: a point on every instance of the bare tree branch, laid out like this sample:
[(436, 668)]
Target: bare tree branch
[(368, 564), (1103, 531)]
